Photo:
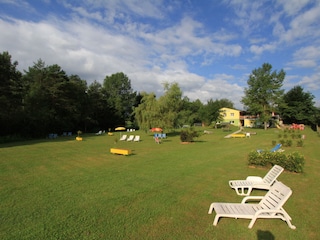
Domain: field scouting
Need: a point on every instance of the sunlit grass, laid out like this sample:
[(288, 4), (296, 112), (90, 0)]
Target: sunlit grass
[(64, 189)]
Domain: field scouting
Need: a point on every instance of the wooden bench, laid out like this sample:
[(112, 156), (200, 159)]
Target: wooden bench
[(120, 151)]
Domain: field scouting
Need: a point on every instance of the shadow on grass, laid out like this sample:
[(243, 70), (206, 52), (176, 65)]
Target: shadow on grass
[(264, 235), (24, 142)]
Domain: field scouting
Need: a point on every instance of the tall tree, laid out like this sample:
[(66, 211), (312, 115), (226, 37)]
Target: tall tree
[(35, 99), (53, 101), (264, 92), (10, 95), (74, 97), (189, 113), (120, 96), (162, 112), (147, 113), (170, 105), (99, 113), (298, 107)]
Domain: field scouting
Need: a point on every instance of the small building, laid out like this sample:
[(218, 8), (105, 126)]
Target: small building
[(231, 116)]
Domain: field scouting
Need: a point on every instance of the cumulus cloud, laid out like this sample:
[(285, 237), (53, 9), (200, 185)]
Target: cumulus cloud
[(258, 50), (303, 26), (292, 7), (306, 57), (155, 42), (94, 52)]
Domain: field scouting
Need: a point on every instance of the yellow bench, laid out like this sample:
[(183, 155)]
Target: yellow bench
[(239, 135), (120, 151)]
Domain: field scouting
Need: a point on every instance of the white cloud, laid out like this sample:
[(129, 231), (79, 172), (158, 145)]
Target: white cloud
[(94, 52), (309, 52), (113, 10), (303, 26), (292, 7), (304, 63), (258, 50), (217, 88), (306, 57), (311, 82), (156, 41), (249, 14)]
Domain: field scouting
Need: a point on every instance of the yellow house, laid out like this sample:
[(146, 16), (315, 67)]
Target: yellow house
[(231, 116), (249, 121)]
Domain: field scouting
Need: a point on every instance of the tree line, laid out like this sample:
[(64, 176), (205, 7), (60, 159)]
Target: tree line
[(44, 99)]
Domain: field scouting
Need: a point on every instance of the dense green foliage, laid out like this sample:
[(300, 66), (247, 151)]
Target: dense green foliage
[(188, 135), (10, 95), (298, 107), (46, 100), (293, 162)]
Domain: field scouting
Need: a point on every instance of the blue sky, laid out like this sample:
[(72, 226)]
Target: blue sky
[(208, 47)]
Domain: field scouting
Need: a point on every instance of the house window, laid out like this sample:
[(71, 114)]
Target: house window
[(232, 114)]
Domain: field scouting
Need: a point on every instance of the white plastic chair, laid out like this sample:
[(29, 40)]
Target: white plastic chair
[(130, 138), (244, 187), (270, 206), (123, 138)]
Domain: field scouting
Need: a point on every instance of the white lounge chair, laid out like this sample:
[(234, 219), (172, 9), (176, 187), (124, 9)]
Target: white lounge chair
[(244, 187), (270, 206), (99, 133), (136, 138), (130, 138), (123, 138)]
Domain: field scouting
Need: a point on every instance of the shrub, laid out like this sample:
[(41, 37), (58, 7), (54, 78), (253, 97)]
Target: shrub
[(257, 159), (288, 143), (299, 143), (188, 135), (293, 162)]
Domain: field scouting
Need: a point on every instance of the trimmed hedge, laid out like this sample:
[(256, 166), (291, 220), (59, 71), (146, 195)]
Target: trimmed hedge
[(293, 162)]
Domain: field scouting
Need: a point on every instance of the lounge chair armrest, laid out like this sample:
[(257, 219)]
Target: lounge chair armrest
[(254, 178), (250, 198)]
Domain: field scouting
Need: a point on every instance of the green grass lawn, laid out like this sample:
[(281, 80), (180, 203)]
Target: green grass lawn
[(65, 189)]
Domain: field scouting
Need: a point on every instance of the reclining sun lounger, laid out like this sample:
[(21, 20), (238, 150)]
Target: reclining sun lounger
[(123, 138), (270, 206), (276, 148), (244, 187)]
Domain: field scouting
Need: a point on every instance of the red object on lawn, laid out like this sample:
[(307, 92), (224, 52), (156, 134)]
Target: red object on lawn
[(157, 129)]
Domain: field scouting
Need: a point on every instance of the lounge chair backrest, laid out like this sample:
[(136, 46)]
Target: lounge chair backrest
[(276, 196), (272, 175), (276, 148)]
